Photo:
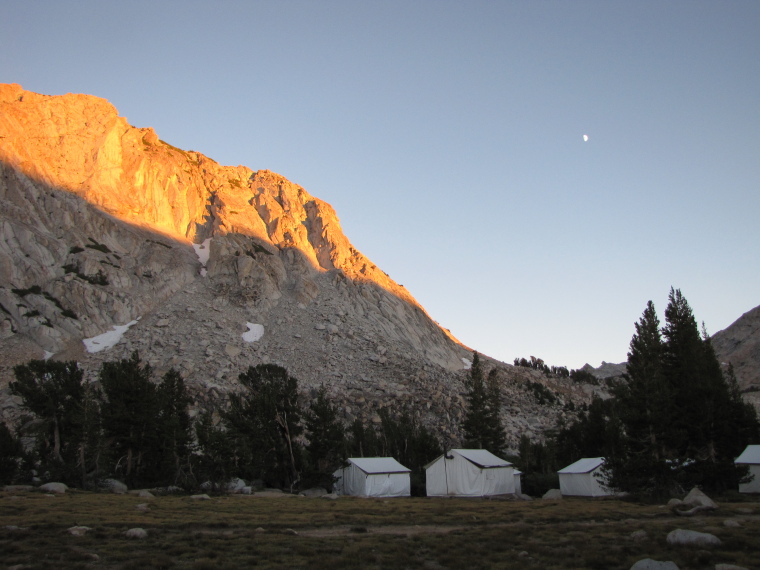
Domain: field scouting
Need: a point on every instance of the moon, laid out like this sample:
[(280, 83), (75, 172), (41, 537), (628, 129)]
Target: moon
[(585, 138)]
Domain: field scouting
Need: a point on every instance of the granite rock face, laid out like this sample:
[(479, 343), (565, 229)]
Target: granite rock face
[(739, 345), (209, 269)]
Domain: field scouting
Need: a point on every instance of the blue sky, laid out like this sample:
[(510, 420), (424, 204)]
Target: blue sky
[(448, 137)]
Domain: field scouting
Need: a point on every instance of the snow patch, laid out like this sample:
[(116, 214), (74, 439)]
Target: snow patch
[(254, 332), (202, 250), (107, 339), (47, 355), (467, 364)]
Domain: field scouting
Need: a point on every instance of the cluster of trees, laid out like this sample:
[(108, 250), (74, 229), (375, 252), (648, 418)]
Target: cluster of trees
[(677, 420), (125, 425), (129, 427), (559, 371)]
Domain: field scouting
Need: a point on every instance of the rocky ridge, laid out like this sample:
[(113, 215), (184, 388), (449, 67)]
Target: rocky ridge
[(739, 345), (104, 225)]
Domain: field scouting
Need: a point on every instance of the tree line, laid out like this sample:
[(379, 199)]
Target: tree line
[(675, 421), (132, 428)]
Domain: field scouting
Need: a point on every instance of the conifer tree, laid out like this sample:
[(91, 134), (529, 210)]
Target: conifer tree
[(363, 440), (683, 421), (11, 454), (327, 440), (130, 414), (54, 392), (174, 430), (266, 424), (482, 421), (644, 407)]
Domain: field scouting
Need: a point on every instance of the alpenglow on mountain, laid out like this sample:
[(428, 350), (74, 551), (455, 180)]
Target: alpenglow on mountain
[(114, 241)]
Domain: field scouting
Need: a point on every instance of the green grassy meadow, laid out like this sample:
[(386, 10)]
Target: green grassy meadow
[(238, 531)]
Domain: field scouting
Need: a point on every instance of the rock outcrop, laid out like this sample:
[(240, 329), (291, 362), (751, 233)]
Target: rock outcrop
[(739, 345), (107, 230)]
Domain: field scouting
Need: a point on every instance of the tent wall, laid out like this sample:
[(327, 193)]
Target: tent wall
[(582, 484), (754, 485), (354, 481), (388, 485), (518, 483), (462, 478)]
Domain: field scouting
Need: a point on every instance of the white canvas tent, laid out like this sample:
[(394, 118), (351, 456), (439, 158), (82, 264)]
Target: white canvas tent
[(751, 458), (518, 482), (469, 473), (373, 477), (583, 478)]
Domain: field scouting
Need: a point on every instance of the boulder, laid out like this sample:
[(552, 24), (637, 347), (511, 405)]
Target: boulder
[(58, 488), (649, 564), (696, 498), (314, 492), (683, 537), (235, 485), (552, 494), (114, 485), (138, 533), (638, 535), (78, 530)]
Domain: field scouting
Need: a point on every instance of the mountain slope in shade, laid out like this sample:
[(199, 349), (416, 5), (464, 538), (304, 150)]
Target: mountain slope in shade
[(102, 225), (739, 344)]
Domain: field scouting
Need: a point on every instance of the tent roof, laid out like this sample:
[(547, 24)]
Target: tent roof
[(750, 455), (372, 465), (482, 458), (585, 465)]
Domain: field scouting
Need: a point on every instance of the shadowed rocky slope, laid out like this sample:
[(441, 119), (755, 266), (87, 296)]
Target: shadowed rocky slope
[(104, 225), (739, 344)]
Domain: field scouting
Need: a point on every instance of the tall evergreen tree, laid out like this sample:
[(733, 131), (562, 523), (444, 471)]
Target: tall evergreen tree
[(173, 430), (682, 421), (218, 459), (11, 454), (54, 392), (644, 407), (482, 426), (363, 440), (265, 423), (496, 439), (130, 417), (327, 439)]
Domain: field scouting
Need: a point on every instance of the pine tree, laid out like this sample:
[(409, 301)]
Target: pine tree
[(217, 459), (266, 425), (682, 420), (363, 440), (495, 438), (54, 392), (327, 440), (644, 408), (482, 426), (174, 430), (11, 454), (475, 421), (130, 417)]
